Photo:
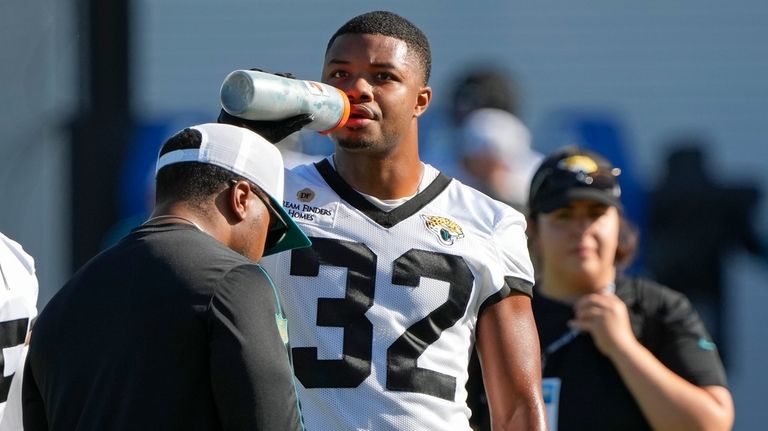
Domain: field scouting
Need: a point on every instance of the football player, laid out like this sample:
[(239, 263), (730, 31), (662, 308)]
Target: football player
[(408, 269)]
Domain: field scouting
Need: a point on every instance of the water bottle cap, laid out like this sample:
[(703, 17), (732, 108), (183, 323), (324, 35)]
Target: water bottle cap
[(344, 115)]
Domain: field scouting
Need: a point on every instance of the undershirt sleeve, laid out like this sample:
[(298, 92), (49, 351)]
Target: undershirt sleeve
[(512, 245), (250, 373)]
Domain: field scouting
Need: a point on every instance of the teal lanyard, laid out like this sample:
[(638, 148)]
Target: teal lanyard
[(282, 326)]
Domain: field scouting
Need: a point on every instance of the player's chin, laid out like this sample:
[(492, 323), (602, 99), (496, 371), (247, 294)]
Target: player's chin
[(354, 143)]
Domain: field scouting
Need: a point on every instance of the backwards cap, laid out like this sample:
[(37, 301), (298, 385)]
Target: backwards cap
[(250, 156), (573, 173)]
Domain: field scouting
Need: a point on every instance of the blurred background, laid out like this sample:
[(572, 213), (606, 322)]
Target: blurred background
[(674, 93)]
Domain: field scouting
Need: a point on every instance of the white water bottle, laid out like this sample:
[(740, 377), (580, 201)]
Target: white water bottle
[(257, 95)]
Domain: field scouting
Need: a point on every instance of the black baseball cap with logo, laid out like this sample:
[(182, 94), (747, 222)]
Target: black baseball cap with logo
[(573, 173)]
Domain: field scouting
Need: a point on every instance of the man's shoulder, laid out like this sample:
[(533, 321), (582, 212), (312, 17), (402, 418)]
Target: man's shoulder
[(188, 253), (476, 208), (301, 177), (302, 169), (184, 239), (472, 195)]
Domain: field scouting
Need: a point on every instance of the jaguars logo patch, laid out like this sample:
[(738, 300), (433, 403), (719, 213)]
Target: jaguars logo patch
[(446, 230)]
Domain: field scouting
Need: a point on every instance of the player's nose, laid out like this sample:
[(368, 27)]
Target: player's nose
[(359, 90)]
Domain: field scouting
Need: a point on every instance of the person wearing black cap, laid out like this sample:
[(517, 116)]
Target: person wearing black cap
[(617, 352), (176, 327)]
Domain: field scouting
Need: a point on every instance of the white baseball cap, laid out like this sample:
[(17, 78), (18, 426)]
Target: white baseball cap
[(247, 154), (495, 132)]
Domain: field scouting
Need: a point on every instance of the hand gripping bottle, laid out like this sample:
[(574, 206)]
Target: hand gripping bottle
[(263, 96)]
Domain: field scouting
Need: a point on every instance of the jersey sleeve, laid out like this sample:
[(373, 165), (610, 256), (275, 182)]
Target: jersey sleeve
[(251, 376), (512, 245), (515, 265), (687, 348)]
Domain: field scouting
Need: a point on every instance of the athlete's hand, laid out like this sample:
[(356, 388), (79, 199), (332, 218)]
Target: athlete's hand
[(273, 131), (283, 74), (606, 319)]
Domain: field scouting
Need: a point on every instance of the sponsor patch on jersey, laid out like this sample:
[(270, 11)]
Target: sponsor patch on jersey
[(308, 208), (446, 230), (305, 195)]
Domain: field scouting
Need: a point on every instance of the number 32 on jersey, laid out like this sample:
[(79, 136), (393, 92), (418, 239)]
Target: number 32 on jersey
[(348, 313)]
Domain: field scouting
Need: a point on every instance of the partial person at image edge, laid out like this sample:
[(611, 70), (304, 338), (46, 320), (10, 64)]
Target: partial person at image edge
[(18, 308)]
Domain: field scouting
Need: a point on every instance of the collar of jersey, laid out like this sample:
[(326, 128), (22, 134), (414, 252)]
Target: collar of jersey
[(386, 219)]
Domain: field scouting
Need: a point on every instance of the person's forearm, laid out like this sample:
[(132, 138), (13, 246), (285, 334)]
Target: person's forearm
[(668, 401), (508, 348), (527, 416)]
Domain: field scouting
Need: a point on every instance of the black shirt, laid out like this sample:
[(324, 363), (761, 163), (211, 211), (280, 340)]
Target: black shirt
[(167, 330), (592, 394)]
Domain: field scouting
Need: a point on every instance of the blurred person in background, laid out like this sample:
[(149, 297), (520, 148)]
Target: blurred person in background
[(495, 152), (18, 309), (618, 353), (694, 224), (493, 146), (483, 86)]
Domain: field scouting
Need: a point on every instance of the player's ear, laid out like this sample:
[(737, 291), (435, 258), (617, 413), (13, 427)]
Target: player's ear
[(422, 101), (238, 199)]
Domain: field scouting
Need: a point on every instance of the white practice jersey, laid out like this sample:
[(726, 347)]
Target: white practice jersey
[(18, 306), (383, 307)]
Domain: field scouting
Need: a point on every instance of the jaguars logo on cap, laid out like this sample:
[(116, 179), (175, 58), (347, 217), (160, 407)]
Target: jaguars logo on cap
[(446, 230), (578, 163)]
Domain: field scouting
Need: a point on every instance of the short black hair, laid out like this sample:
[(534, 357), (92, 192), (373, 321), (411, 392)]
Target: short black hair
[(392, 25), (189, 181)]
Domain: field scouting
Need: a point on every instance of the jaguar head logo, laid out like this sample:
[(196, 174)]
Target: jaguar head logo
[(446, 230)]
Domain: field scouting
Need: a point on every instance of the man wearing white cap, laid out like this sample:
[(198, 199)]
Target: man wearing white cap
[(496, 154), (176, 327)]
